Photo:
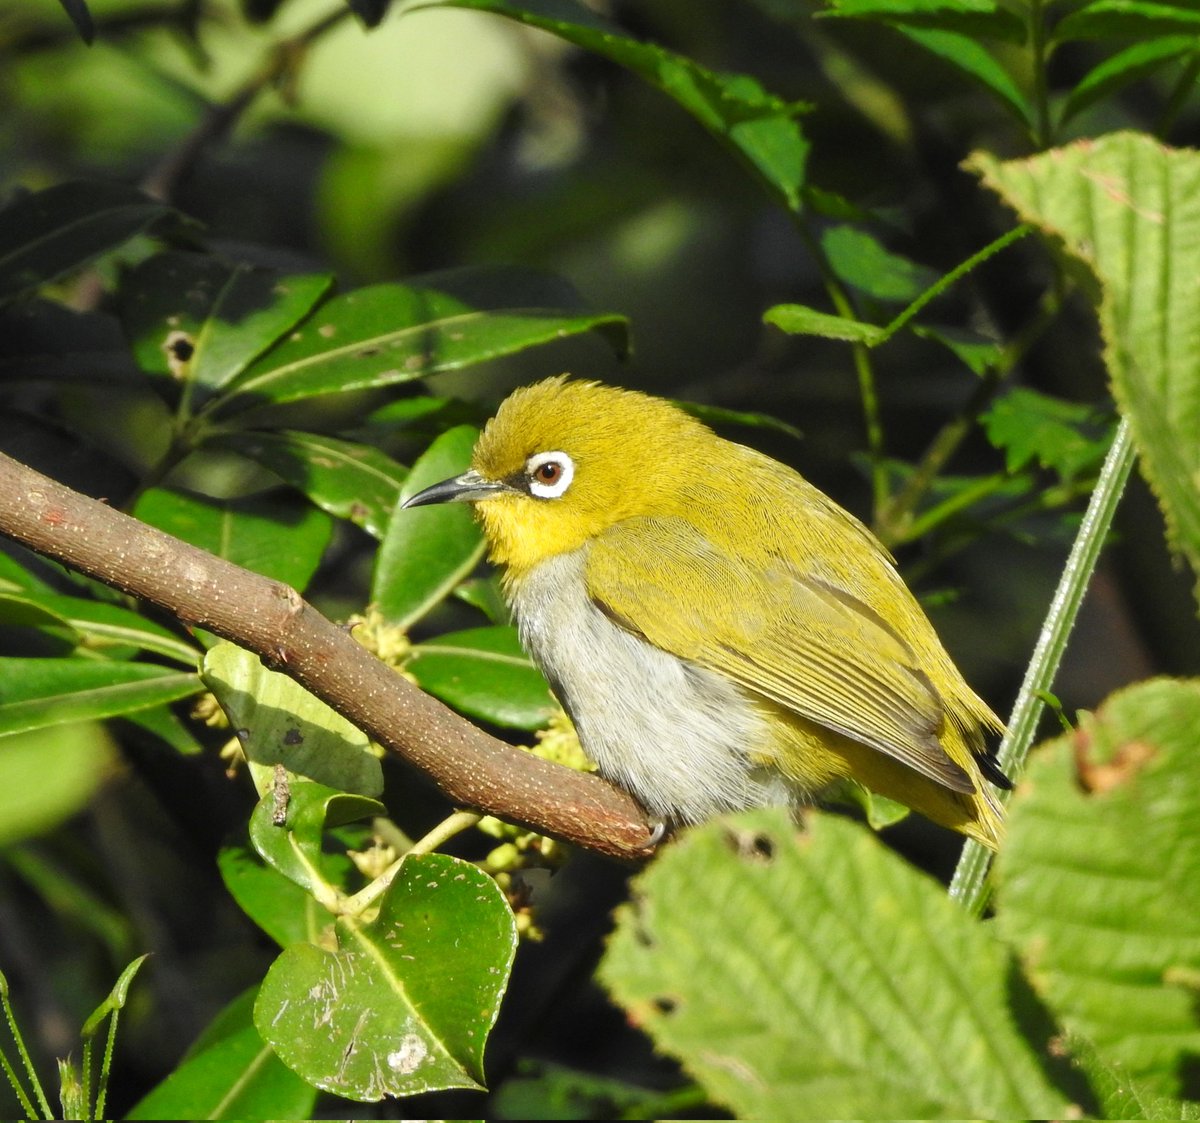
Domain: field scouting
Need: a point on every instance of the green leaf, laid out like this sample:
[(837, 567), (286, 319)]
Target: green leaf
[(279, 536), (428, 550), (860, 260), (348, 480), (1134, 62), (229, 1073), (1129, 19), (405, 1003), (1129, 209), (758, 126), (200, 320), (278, 905), (48, 775), (977, 352), (815, 975), (279, 722), (484, 594), (986, 18), (1099, 877), (484, 674), (799, 319), (116, 998), (1121, 1097), (1063, 436), (50, 233), (752, 419), (392, 333), (35, 693)]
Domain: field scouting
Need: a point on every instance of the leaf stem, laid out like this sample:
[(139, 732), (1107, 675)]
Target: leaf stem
[(1041, 59), (19, 1041), (969, 886)]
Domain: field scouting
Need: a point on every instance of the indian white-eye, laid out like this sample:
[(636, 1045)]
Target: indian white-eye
[(722, 633)]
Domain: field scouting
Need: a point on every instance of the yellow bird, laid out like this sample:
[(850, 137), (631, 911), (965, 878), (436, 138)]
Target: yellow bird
[(722, 633)]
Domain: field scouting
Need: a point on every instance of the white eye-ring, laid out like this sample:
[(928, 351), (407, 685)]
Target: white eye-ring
[(549, 474)]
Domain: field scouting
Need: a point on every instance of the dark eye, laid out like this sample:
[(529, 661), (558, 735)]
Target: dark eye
[(548, 473)]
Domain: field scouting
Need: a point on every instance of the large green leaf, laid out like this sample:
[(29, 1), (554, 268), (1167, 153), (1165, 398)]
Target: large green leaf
[(349, 480), (428, 550), (229, 1073), (278, 535), (40, 692), (393, 333), (760, 127), (50, 233), (484, 674), (200, 320), (279, 722), (1132, 19), (406, 1001), (1099, 879), (814, 975), (1129, 209)]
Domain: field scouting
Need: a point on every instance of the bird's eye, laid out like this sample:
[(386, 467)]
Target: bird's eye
[(549, 474)]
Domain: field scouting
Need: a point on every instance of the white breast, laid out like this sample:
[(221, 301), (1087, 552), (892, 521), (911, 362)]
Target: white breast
[(673, 733)]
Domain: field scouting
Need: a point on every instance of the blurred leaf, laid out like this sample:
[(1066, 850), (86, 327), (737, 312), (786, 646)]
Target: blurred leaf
[(200, 320), (484, 674), (77, 12), (978, 353), (987, 18), (1129, 19), (279, 722), (294, 846), (47, 342), (41, 692), (347, 480), (965, 53), (405, 1003), (1099, 876), (860, 260), (428, 550), (280, 907), (1063, 436), (484, 594), (1134, 62), (279, 536), (394, 333), (45, 235), (161, 724), (798, 319), (815, 974), (758, 126), (229, 1073), (48, 775), (1129, 209), (719, 415), (551, 1091)]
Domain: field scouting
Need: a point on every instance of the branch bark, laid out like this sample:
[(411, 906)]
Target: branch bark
[(271, 619)]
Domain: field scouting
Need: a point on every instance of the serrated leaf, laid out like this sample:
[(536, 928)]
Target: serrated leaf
[(406, 1002), (799, 319), (428, 550), (200, 320), (1060, 435), (230, 1073), (485, 674), (1099, 876), (35, 693), (1126, 66), (279, 536), (801, 975), (1129, 209), (50, 233), (861, 261), (758, 126), (346, 479), (394, 333), (279, 722)]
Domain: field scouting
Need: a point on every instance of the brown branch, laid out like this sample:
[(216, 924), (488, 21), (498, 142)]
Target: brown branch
[(274, 621)]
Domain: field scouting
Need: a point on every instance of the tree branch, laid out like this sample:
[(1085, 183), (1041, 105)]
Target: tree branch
[(288, 634)]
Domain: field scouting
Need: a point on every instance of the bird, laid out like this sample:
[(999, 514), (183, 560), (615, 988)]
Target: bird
[(722, 634)]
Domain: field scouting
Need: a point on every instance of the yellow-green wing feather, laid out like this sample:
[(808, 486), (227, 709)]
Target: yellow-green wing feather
[(799, 640)]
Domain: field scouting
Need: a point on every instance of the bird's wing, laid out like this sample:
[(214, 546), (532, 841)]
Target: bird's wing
[(801, 642)]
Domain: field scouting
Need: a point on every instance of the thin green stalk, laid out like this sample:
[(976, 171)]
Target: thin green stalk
[(106, 1066), (19, 1041), (1179, 95), (1041, 94), (969, 886)]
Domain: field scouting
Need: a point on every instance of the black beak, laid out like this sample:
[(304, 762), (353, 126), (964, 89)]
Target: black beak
[(461, 489)]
